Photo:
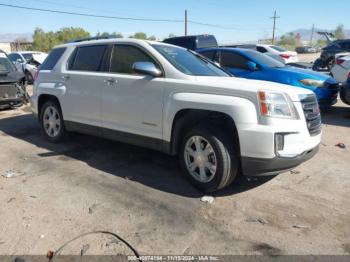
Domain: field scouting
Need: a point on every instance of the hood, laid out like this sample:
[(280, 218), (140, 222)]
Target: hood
[(247, 87), (301, 73), (10, 77), (39, 58)]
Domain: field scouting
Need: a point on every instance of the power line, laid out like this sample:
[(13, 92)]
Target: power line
[(124, 18), (92, 15)]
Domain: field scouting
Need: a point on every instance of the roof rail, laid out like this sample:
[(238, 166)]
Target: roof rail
[(92, 38)]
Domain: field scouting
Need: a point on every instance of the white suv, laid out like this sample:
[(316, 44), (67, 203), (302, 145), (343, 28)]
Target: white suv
[(173, 100)]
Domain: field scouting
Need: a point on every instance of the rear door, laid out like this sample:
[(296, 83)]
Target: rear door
[(84, 80), (132, 103)]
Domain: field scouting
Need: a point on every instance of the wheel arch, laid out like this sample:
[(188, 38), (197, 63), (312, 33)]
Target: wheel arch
[(43, 98), (186, 119)]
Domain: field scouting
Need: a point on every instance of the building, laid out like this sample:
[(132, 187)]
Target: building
[(6, 47)]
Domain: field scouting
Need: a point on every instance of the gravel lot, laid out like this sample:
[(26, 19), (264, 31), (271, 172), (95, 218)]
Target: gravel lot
[(86, 184)]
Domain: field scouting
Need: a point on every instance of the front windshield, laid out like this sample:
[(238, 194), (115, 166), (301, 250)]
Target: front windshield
[(28, 56), (264, 60), (5, 64), (189, 62)]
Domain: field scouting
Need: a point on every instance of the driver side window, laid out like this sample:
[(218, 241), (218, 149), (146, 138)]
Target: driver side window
[(124, 56), (233, 60)]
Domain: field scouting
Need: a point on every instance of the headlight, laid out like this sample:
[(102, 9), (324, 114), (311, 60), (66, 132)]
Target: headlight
[(275, 104), (312, 82)]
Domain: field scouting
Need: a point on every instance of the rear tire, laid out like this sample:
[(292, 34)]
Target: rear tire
[(52, 123), (209, 158)]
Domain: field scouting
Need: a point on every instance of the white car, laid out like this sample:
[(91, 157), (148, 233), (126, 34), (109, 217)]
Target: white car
[(28, 62), (287, 56), (341, 69), (171, 99)]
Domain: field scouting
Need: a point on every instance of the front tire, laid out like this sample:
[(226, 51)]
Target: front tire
[(29, 77), (209, 158), (345, 95), (52, 123)]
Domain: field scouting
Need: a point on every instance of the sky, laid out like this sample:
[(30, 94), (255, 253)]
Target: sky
[(242, 20)]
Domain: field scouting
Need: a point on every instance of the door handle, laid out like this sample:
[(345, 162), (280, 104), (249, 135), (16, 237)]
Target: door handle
[(65, 77), (110, 81)]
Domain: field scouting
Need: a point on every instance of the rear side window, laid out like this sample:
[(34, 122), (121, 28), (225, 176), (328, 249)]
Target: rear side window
[(185, 42), (52, 59), (124, 56), (233, 60), (209, 54), (206, 42), (88, 58), (261, 49)]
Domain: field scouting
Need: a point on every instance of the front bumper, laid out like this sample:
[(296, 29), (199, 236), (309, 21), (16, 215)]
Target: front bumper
[(263, 167), (8, 102)]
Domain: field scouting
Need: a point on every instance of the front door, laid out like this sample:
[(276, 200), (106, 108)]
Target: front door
[(132, 103)]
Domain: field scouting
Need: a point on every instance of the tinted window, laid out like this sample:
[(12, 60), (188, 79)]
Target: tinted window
[(185, 42), (209, 54), (206, 41), (263, 59), (233, 60), (15, 57), (189, 62), (345, 45), (28, 56), (124, 56), (261, 49), (52, 59), (88, 58)]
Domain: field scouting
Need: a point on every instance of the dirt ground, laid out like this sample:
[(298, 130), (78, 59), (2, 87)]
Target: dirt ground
[(86, 184), (308, 58)]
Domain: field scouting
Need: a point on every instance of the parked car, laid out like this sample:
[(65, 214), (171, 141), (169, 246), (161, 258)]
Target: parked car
[(327, 58), (345, 91), (259, 49), (193, 42), (288, 56), (12, 84), (28, 62), (254, 65), (305, 50), (341, 68), (174, 100)]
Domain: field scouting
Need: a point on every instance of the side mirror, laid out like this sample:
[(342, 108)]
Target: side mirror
[(252, 66), (146, 68), (18, 61)]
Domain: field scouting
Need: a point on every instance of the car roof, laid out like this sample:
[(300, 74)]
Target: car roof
[(108, 41)]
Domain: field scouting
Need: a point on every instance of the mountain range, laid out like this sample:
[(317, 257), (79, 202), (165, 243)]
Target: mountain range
[(10, 37), (305, 34)]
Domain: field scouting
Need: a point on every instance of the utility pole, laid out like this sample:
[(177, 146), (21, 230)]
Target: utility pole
[(274, 26), (185, 22), (312, 34)]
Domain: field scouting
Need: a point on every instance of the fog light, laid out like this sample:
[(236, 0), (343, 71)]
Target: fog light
[(279, 142)]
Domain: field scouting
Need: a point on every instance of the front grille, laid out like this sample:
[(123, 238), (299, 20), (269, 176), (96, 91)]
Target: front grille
[(8, 91), (312, 114)]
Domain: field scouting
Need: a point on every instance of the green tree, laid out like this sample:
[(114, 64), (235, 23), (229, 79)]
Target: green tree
[(289, 41), (45, 41), (152, 38), (139, 35), (339, 32)]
